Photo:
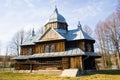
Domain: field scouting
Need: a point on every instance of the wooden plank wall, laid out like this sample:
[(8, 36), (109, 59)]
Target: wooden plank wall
[(21, 67), (72, 62), (59, 46), (50, 35), (37, 67), (76, 62), (92, 45), (56, 25), (50, 25), (76, 44), (47, 63), (25, 49), (65, 62), (39, 48), (82, 44)]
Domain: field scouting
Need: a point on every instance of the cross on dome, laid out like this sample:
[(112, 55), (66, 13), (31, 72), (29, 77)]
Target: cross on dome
[(56, 17), (33, 32), (56, 10), (79, 26)]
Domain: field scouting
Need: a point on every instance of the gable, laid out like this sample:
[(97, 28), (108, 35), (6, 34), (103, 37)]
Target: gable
[(51, 34)]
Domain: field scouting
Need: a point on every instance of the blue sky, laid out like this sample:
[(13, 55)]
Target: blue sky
[(26, 14)]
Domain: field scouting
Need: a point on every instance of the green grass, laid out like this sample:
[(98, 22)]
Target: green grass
[(100, 75)]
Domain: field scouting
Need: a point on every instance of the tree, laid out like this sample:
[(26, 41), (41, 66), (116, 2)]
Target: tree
[(17, 40), (118, 9), (40, 30), (114, 29), (102, 42), (87, 29), (108, 35)]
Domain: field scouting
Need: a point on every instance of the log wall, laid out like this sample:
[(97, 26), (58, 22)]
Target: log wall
[(76, 44), (51, 63), (65, 62), (51, 25), (91, 44), (22, 66), (76, 62), (56, 25), (59, 46), (39, 48), (82, 44), (25, 49)]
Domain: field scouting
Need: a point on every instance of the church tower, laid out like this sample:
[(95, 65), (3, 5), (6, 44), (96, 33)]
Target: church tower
[(56, 21)]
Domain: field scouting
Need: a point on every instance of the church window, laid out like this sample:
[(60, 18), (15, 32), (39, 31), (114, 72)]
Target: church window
[(89, 47), (30, 51), (46, 48), (52, 48), (49, 48)]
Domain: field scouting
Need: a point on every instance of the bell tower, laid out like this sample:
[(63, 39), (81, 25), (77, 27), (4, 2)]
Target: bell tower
[(56, 21)]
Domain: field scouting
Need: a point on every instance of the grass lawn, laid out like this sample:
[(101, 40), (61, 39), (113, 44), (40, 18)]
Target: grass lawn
[(100, 75)]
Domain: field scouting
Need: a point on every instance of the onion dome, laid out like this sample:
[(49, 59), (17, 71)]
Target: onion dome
[(56, 17)]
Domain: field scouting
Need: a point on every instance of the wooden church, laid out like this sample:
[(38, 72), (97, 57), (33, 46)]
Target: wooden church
[(57, 48)]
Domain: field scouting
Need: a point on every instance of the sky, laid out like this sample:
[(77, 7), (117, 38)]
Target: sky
[(26, 14)]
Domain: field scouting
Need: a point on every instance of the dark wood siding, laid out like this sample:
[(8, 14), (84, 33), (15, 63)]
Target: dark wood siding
[(91, 43), (76, 62), (39, 48), (89, 63), (22, 65), (59, 46), (50, 63), (25, 49), (65, 62), (76, 44), (56, 25), (82, 44)]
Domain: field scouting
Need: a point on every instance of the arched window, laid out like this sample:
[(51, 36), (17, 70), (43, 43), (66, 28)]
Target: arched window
[(52, 48), (46, 48), (30, 51), (49, 48), (89, 47)]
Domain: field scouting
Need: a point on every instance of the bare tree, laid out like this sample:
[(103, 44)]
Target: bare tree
[(108, 35), (118, 9), (5, 59), (114, 28), (100, 42), (40, 30), (17, 40), (87, 29)]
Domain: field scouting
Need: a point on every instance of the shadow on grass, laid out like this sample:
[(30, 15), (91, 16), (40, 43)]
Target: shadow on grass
[(111, 72)]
